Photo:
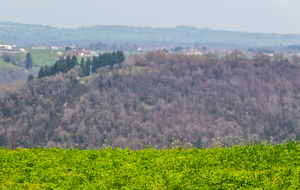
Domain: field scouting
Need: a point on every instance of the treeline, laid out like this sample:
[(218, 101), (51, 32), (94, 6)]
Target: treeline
[(105, 59), (293, 47), (155, 98), (64, 65), (113, 47), (261, 50)]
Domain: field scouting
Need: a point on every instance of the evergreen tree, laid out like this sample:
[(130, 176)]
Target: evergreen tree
[(47, 71), (41, 73), (82, 63), (52, 68), (87, 66), (106, 59), (95, 63), (60, 66), (69, 62), (100, 61), (83, 69), (68, 48), (113, 58), (56, 67), (119, 57), (64, 67), (29, 61), (30, 77), (74, 61)]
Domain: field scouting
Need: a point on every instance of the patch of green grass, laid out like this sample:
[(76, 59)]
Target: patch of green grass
[(43, 57), (83, 79), (4, 65)]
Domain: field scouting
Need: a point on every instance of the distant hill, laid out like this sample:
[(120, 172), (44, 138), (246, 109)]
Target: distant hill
[(28, 34)]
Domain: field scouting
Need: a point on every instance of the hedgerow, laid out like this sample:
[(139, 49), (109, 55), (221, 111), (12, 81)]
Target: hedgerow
[(261, 166)]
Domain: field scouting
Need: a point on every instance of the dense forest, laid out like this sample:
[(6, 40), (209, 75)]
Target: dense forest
[(154, 98)]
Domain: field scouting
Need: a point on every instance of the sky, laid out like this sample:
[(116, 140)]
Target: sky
[(266, 16)]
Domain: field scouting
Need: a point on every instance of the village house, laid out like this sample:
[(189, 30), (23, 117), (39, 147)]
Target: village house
[(78, 53), (269, 54), (47, 47), (11, 49)]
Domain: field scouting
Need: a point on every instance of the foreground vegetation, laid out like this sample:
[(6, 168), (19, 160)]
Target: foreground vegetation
[(262, 166)]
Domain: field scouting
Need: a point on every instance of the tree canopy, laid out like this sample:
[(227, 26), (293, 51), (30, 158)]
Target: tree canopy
[(29, 61)]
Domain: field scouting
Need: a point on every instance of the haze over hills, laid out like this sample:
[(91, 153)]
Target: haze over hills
[(28, 35)]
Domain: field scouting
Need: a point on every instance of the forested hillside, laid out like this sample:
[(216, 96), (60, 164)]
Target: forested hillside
[(154, 98)]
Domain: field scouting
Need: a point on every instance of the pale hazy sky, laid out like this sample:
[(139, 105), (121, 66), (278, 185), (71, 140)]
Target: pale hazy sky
[(269, 16)]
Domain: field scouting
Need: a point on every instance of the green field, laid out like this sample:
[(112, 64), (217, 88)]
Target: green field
[(40, 58), (261, 166), (4, 65), (43, 57)]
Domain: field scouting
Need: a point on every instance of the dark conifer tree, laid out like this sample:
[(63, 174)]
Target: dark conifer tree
[(74, 61), (64, 67), (29, 61), (106, 59), (82, 63), (95, 63), (100, 61), (52, 68), (87, 66), (55, 68), (47, 71), (113, 58), (30, 77), (83, 69), (41, 73), (60, 65), (69, 62), (119, 57)]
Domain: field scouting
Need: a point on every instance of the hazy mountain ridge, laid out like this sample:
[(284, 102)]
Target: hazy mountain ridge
[(28, 34)]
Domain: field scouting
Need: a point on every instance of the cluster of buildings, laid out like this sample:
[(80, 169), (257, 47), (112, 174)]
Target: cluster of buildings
[(11, 49), (169, 50), (47, 47), (77, 52)]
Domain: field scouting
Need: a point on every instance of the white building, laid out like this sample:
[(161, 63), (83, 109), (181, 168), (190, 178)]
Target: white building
[(5, 47), (55, 47)]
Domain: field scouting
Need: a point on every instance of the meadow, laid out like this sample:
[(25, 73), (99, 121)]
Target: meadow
[(245, 166), (5, 65), (43, 57)]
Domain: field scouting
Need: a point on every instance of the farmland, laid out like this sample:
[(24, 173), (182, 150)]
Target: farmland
[(40, 58), (4, 65), (44, 57), (261, 166)]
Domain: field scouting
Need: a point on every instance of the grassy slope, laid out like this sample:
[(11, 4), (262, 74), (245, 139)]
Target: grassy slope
[(40, 58), (4, 65), (44, 57)]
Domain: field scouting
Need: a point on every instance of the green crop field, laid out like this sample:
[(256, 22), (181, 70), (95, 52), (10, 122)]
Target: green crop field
[(261, 166), (44, 57)]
